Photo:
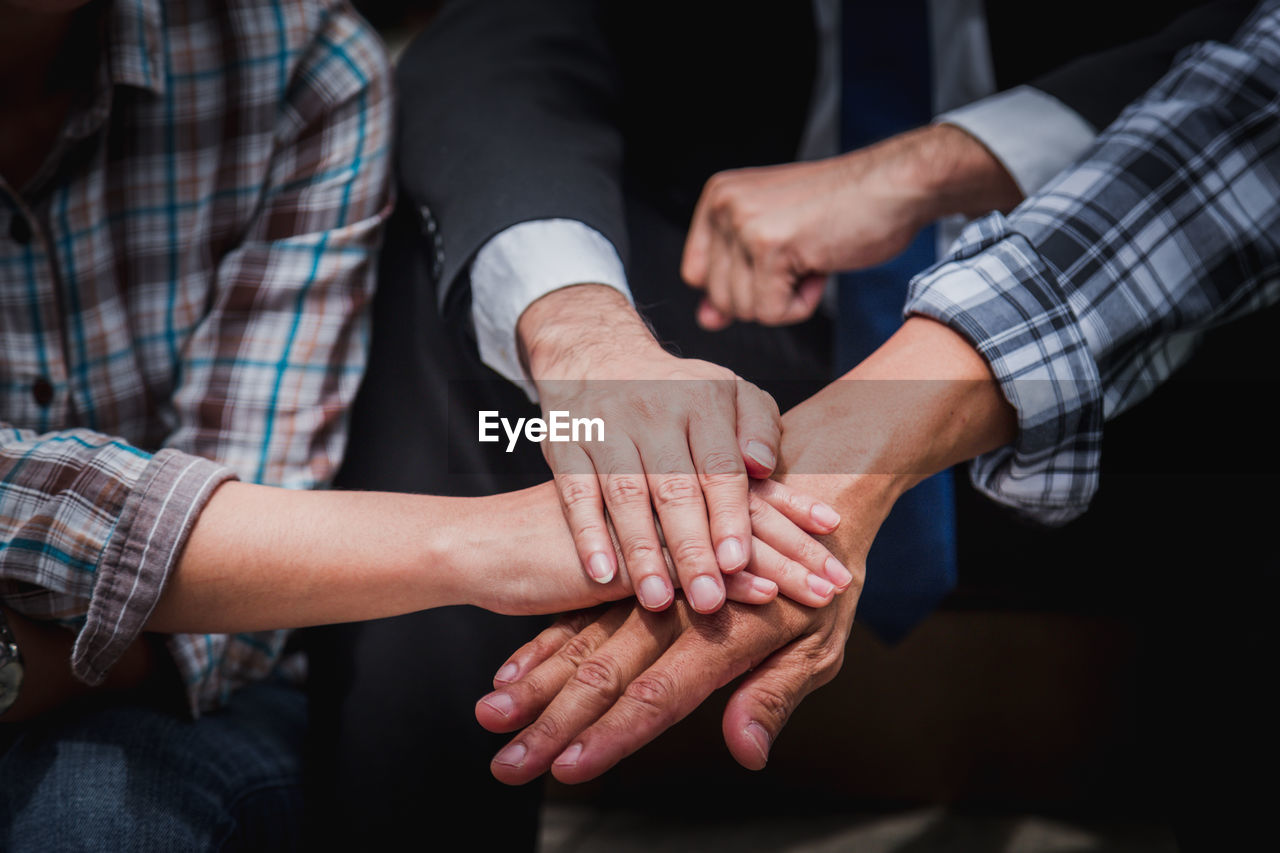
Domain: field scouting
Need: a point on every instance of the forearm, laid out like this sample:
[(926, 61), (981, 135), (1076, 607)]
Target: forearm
[(924, 401), (262, 558), (943, 170)]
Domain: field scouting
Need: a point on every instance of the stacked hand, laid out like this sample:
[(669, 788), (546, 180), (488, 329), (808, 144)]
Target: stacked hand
[(597, 686), (682, 438), (523, 562)]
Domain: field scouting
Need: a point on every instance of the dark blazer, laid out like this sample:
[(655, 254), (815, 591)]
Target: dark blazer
[(515, 110)]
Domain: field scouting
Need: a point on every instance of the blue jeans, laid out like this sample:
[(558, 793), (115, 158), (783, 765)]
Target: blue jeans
[(129, 777)]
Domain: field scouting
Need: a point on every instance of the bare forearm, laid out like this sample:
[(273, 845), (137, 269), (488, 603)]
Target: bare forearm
[(923, 402), (262, 558), (950, 171)]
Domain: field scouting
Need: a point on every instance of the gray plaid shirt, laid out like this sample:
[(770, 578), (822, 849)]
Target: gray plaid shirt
[(1096, 289)]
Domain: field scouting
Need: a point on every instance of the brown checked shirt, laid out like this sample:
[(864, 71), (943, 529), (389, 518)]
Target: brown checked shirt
[(183, 294)]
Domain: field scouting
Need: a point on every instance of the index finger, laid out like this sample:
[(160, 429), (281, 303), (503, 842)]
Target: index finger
[(711, 653)]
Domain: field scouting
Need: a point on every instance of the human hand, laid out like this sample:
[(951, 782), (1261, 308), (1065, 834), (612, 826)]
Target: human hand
[(522, 561), (595, 688), (763, 240), (682, 438)]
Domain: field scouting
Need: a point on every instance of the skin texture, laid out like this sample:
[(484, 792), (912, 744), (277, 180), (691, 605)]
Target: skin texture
[(597, 686), (261, 558), (763, 241), (680, 445)]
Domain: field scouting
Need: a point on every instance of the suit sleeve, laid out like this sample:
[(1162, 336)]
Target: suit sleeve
[(509, 114)]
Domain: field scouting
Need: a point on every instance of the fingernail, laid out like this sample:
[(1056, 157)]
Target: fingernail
[(569, 758), (500, 702), (760, 452), (512, 755), (760, 738), (600, 568), (705, 594), (654, 592), (837, 573), (824, 515), (764, 585), (507, 674), (821, 586), (730, 555)]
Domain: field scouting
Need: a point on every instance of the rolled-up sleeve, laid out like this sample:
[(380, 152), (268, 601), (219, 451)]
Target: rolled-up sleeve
[(90, 529), (998, 293), (1091, 293)]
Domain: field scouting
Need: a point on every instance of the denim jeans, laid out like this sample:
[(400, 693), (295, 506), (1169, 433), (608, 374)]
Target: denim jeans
[(135, 778)]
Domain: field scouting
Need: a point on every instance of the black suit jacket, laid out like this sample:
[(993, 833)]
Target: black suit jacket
[(515, 110)]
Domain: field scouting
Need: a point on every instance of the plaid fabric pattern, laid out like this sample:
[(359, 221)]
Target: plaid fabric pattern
[(1095, 290), (183, 294)]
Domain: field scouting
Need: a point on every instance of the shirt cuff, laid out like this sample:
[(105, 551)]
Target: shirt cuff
[(153, 528), (523, 264), (998, 293), (1033, 134)]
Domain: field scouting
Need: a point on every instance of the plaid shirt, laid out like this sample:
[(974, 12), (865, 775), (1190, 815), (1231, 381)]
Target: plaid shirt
[(182, 301), (1095, 290)]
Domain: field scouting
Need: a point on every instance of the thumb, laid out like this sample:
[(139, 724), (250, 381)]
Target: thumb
[(762, 704)]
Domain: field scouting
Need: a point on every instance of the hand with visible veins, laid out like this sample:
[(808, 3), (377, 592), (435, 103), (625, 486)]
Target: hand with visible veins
[(592, 689), (763, 241), (683, 438)]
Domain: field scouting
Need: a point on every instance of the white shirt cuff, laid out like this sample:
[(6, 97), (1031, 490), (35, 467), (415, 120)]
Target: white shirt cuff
[(523, 264), (1033, 135)]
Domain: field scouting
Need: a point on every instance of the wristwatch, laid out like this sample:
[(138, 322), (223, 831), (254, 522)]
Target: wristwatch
[(11, 670)]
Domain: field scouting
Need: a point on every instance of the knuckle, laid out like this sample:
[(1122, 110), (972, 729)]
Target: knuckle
[(652, 692), (722, 465), (824, 659), (791, 572), (577, 492), (759, 509), (598, 675), (811, 553), (668, 491), (689, 551), (775, 703), (625, 489), (827, 665), (576, 650), (639, 550), (547, 727)]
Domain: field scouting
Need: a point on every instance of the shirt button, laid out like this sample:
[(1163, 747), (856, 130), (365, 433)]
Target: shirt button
[(20, 229), (42, 392)]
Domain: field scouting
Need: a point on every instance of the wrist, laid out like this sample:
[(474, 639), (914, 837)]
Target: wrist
[(563, 334), (952, 172), (923, 402)]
